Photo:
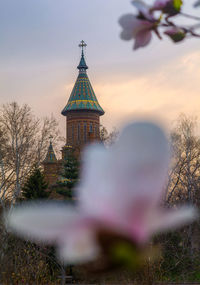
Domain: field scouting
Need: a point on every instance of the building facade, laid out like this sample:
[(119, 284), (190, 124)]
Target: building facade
[(82, 113)]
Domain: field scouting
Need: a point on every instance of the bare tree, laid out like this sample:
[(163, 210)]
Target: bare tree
[(184, 179), (24, 141)]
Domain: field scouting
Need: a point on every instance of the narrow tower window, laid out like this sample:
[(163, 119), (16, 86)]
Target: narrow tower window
[(85, 132), (78, 132), (91, 128), (72, 134), (96, 131)]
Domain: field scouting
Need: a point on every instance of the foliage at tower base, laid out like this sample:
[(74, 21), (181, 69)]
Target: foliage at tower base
[(108, 138), (69, 176), (35, 186)]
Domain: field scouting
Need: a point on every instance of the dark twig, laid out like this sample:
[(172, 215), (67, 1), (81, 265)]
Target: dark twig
[(189, 16)]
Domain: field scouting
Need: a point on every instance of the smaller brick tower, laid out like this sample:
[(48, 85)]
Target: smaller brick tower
[(82, 111), (51, 165)]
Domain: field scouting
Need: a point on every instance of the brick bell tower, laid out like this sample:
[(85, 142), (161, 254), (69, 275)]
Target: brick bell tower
[(51, 165), (82, 111)]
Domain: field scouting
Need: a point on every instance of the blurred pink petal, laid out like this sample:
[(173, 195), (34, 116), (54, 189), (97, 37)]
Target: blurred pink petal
[(54, 223), (161, 4), (78, 245), (138, 29), (171, 219), (43, 221), (96, 188), (140, 165), (128, 22), (144, 9), (142, 39)]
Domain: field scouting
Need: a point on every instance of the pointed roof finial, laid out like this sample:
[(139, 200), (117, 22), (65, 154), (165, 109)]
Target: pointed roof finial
[(82, 45), (82, 65), (50, 156), (50, 138)]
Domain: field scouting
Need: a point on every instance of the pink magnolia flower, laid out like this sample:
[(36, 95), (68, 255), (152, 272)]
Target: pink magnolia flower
[(138, 27), (120, 191)]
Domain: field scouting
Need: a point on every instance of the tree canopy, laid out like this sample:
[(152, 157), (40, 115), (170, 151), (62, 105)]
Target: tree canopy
[(35, 186)]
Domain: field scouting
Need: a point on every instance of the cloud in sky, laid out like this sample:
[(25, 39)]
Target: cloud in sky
[(39, 54), (166, 92)]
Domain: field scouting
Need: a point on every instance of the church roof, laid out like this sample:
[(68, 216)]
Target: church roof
[(82, 64), (82, 96), (50, 157)]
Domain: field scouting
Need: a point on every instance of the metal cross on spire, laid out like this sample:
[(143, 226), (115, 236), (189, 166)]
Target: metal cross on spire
[(82, 45)]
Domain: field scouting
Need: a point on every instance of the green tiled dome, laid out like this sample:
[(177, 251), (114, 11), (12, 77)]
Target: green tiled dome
[(82, 96)]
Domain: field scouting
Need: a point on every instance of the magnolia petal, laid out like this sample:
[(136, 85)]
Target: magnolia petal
[(132, 26), (126, 35), (128, 21), (146, 223), (80, 246), (140, 5), (171, 219), (139, 166), (143, 8), (42, 221), (143, 39), (160, 4), (95, 190), (142, 26)]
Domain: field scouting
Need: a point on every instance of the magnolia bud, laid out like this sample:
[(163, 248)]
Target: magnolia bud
[(176, 34)]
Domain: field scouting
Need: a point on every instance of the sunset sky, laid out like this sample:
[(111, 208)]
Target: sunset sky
[(39, 54)]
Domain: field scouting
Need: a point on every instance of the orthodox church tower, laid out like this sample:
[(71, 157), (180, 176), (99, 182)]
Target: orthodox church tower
[(82, 114), (82, 110), (51, 165)]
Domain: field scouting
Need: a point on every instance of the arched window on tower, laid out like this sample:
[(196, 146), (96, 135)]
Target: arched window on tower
[(85, 132), (78, 132), (96, 131), (72, 134), (91, 128)]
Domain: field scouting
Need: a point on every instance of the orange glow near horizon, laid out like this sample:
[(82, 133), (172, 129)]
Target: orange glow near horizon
[(165, 93)]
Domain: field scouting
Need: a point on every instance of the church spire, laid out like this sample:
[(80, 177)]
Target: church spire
[(50, 157), (82, 65), (82, 97)]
